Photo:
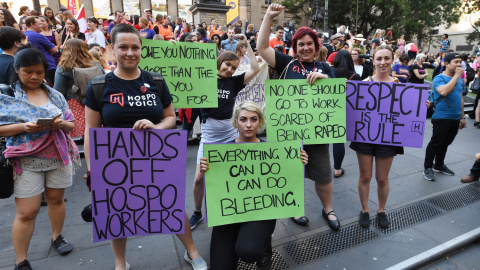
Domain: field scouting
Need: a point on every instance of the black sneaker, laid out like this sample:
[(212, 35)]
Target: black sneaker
[(195, 219), (382, 220), (428, 174), (443, 170), (364, 219), (61, 245), (23, 265)]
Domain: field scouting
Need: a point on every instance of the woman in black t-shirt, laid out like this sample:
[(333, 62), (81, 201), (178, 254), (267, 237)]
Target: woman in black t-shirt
[(118, 109), (305, 44), (250, 241), (216, 121), (72, 30), (418, 72)]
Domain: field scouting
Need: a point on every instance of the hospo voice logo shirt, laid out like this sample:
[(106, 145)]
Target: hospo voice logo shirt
[(142, 99)]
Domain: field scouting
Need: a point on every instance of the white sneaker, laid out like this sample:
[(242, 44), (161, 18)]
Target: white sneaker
[(197, 264)]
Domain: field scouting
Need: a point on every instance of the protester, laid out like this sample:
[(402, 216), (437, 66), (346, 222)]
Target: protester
[(127, 46), (241, 51), (343, 68), (418, 72), (94, 35), (361, 68), (332, 47), (118, 19), (51, 35), (75, 55), (444, 44), (216, 39), (48, 12), (7, 19), (47, 163), (474, 172), (72, 31), (178, 28), (448, 116), (10, 40), (24, 12), (250, 241), (382, 154), (100, 59), (186, 30), (34, 27), (401, 70), (229, 44), (278, 39), (215, 121), (358, 44), (145, 31), (401, 44), (304, 45), (163, 28)]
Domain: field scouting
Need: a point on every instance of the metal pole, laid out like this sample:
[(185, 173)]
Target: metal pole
[(325, 19)]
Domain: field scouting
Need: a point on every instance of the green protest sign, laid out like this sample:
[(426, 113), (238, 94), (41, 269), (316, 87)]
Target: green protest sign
[(253, 181), (189, 69), (299, 111)]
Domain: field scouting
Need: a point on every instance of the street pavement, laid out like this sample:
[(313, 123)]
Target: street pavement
[(407, 187)]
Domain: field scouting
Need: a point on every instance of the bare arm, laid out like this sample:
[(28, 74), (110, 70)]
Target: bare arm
[(420, 76), (254, 68), (93, 119), (448, 88), (265, 51), (53, 50), (12, 129), (169, 118)]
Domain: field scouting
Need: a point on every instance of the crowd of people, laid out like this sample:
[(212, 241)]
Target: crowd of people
[(42, 53)]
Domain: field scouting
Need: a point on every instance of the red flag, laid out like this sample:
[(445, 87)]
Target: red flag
[(72, 6), (82, 22)]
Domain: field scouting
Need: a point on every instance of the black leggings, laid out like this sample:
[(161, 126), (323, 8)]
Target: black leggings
[(249, 241), (338, 155)]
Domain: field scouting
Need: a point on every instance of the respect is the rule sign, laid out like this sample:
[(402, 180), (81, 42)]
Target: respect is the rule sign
[(386, 113), (253, 181), (299, 111), (138, 182), (189, 69)]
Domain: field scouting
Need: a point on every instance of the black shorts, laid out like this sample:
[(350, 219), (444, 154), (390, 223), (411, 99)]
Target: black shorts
[(376, 150)]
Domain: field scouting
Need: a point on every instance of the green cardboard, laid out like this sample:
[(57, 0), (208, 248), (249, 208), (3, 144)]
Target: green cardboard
[(189, 69), (253, 181), (299, 111)]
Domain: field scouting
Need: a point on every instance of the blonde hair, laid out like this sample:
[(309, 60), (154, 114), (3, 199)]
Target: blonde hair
[(143, 20), (251, 107), (75, 54), (322, 54), (419, 57), (99, 58)]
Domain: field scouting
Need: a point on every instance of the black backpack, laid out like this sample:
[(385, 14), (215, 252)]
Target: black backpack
[(98, 85), (470, 73)]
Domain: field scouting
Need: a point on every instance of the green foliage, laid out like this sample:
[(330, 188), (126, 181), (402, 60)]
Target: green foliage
[(410, 17), (470, 7)]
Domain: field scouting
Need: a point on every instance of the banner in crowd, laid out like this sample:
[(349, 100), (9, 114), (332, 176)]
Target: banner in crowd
[(138, 182), (233, 13), (255, 89), (253, 181), (386, 113), (189, 69), (299, 111)]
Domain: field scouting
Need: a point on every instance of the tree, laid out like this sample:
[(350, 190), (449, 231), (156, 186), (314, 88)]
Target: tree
[(470, 7), (410, 17)]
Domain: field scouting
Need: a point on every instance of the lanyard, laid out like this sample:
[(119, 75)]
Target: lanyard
[(304, 70)]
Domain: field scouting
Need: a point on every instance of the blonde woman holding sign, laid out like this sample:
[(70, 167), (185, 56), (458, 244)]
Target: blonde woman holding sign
[(305, 44), (250, 241), (128, 80)]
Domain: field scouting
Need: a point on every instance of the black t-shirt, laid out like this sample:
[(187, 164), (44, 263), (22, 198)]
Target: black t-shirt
[(295, 70), (331, 49), (6, 68), (413, 77), (227, 92), (80, 36), (123, 103)]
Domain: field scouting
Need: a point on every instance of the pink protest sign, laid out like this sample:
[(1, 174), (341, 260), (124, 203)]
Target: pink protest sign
[(138, 182), (386, 113)]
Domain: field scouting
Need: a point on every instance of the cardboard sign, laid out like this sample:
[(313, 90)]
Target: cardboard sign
[(299, 111), (138, 182), (254, 91), (253, 181), (189, 69), (386, 113)]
